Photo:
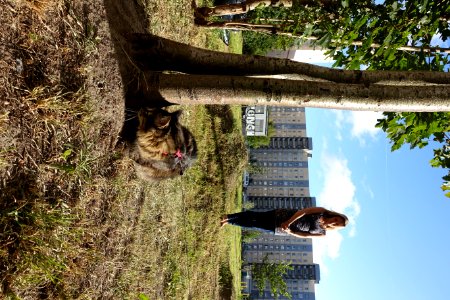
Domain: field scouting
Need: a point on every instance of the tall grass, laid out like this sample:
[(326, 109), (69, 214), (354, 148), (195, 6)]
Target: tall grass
[(77, 223), (44, 236), (179, 233)]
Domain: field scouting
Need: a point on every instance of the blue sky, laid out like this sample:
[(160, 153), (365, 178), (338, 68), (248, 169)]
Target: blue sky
[(397, 244)]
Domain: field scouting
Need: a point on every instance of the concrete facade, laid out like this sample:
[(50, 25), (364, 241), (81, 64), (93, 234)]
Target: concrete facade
[(261, 203), (282, 181)]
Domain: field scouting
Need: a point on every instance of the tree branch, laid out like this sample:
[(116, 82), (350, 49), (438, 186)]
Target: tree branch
[(239, 8), (154, 53), (278, 29), (212, 89)]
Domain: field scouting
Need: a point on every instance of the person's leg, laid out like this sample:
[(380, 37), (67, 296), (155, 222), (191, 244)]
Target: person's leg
[(253, 219), (223, 220)]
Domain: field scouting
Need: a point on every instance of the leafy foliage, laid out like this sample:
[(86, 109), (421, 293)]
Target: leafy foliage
[(258, 141), (271, 273), (248, 235), (362, 34), (254, 168), (261, 141), (417, 129), (390, 26), (256, 43)]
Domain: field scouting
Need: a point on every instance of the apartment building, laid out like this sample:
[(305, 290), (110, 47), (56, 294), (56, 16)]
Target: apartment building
[(281, 180)]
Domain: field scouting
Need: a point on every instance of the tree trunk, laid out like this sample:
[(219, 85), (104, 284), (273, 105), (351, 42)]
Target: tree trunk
[(355, 90), (153, 53), (278, 29), (212, 89), (239, 8)]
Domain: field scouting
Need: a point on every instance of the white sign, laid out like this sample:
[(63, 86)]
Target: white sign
[(250, 120)]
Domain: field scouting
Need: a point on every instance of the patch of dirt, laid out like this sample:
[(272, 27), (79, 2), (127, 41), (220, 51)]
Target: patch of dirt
[(223, 112), (61, 113), (70, 203)]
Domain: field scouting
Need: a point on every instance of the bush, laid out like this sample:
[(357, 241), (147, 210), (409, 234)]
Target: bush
[(259, 44)]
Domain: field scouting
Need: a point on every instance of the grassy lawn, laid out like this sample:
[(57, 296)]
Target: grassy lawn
[(179, 232), (236, 41), (214, 41), (76, 221)]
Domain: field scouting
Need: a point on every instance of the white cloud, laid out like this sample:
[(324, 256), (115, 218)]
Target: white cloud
[(326, 247), (362, 124), (339, 122), (367, 188), (338, 189), (330, 245), (312, 56), (338, 194)]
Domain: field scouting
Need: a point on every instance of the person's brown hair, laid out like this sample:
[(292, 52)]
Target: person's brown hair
[(331, 214)]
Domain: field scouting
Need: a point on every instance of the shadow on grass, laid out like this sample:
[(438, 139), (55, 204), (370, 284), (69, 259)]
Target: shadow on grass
[(126, 17), (11, 218), (44, 162), (226, 125), (67, 234), (225, 114), (226, 282)]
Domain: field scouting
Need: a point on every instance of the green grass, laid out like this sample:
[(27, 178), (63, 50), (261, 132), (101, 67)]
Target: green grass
[(178, 231), (214, 41), (40, 234), (46, 233), (234, 234), (77, 223), (235, 260), (236, 42)]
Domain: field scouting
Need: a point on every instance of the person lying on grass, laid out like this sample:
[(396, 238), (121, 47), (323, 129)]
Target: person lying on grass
[(308, 222)]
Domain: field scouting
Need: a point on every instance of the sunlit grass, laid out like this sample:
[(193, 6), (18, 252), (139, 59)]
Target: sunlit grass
[(178, 230), (76, 221), (236, 42)]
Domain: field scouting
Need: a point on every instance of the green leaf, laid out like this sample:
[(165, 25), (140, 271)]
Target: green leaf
[(403, 63), (361, 22), (391, 55), (423, 6), (66, 154), (68, 168), (395, 6), (143, 297), (373, 22), (435, 162), (445, 187)]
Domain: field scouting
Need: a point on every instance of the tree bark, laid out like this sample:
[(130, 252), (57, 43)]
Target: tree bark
[(153, 53), (278, 29), (239, 8), (212, 89)]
